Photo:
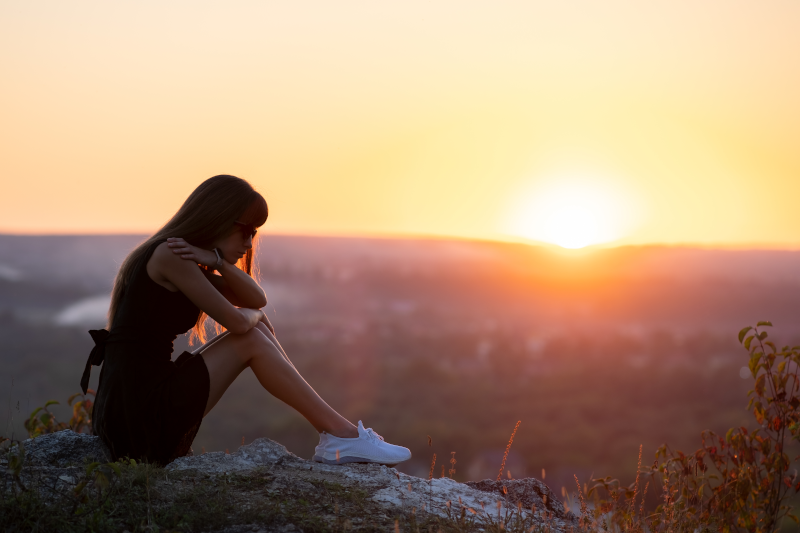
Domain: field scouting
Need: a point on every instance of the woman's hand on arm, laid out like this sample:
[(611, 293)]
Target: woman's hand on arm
[(237, 286), (184, 250), (190, 280)]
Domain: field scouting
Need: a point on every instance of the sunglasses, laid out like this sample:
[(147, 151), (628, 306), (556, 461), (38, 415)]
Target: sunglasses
[(248, 230)]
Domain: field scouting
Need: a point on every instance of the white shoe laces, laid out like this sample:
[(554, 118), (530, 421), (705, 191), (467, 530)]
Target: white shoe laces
[(371, 433)]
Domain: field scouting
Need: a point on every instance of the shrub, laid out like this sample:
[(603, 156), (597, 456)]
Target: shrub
[(738, 482)]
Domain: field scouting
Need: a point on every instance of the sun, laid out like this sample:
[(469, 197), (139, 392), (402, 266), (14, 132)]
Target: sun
[(572, 212)]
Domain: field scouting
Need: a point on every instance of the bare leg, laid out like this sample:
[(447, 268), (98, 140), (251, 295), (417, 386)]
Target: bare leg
[(265, 330), (228, 356)]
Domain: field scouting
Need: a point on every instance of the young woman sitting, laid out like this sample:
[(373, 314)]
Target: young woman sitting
[(199, 264)]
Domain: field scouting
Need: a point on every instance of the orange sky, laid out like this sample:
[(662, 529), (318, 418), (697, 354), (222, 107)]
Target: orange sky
[(628, 122)]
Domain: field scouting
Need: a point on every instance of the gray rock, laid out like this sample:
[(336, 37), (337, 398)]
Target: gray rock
[(260, 452), (387, 488), (65, 448), (385, 491), (528, 492)]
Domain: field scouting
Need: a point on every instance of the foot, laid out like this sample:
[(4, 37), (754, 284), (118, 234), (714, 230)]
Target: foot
[(368, 447)]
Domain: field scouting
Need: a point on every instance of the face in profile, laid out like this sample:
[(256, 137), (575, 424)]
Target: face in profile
[(238, 241)]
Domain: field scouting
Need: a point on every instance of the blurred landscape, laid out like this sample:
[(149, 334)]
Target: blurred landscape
[(596, 352)]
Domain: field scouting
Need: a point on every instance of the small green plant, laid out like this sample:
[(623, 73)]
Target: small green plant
[(42, 421)]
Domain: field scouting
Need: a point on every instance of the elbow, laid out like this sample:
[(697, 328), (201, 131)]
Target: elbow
[(259, 299), (257, 302), (262, 301)]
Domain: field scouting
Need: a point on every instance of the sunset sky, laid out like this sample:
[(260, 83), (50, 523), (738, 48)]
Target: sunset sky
[(570, 122)]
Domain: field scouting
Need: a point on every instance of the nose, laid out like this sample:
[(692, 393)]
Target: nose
[(249, 242)]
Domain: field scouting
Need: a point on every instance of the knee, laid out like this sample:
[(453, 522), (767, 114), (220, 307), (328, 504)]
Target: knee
[(253, 342), (263, 329)]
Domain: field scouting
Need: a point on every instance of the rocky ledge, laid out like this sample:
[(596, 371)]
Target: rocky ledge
[(273, 471)]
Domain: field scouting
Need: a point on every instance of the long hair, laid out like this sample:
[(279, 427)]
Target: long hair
[(207, 215)]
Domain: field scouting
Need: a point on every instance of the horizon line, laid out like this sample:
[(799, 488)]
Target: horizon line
[(502, 239)]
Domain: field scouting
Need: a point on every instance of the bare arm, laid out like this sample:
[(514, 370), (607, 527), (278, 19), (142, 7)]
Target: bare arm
[(234, 284), (188, 278)]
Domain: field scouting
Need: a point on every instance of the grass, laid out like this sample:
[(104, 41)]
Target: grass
[(148, 498)]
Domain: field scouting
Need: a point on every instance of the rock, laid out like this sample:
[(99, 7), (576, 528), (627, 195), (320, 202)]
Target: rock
[(260, 452), (273, 470), (65, 448), (527, 491), (389, 489)]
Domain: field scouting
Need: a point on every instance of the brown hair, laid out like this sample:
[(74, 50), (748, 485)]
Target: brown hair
[(207, 215)]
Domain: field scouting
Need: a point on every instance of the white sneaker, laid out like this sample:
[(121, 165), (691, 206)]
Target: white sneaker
[(368, 447)]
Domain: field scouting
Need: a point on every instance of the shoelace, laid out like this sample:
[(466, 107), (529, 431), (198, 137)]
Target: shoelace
[(372, 433)]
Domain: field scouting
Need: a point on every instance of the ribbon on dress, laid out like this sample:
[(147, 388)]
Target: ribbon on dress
[(96, 357)]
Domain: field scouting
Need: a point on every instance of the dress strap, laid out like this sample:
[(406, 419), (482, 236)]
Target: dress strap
[(96, 357)]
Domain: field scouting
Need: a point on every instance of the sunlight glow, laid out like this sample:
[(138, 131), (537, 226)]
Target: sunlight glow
[(572, 212)]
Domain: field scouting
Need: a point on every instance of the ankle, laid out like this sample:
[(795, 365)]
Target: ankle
[(345, 432)]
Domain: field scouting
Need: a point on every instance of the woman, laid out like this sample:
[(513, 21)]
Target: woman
[(149, 407)]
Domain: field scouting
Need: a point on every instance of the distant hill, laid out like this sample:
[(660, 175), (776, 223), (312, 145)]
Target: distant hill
[(642, 287)]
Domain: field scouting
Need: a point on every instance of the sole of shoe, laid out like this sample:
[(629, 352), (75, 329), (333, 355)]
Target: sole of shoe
[(345, 460)]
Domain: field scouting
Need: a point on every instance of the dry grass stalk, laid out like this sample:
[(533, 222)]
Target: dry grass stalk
[(644, 496), (508, 447), (584, 507), (430, 479), (453, 461), (632, 506), (667, 503)]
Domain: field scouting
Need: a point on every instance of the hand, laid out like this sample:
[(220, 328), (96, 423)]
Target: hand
[(266, 322), (186, 251)]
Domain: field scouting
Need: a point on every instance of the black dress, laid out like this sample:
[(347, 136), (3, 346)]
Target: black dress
[(148, 407)]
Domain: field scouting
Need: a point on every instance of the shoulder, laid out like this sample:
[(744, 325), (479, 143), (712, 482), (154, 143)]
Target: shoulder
[(164, 260), (162, 253)]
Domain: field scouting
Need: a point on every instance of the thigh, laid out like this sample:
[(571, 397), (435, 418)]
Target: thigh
[(228, 356), (210, 342)]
